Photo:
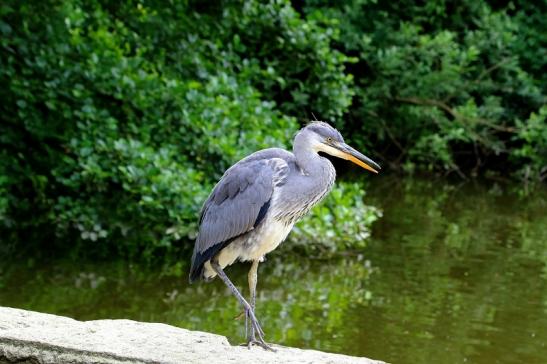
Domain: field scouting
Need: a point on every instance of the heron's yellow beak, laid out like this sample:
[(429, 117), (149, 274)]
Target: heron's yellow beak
[(358, 158), (361, 163), (344, 151)]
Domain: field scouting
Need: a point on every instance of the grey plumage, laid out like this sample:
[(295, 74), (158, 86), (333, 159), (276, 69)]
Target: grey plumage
[(256, 202), (234, 206)]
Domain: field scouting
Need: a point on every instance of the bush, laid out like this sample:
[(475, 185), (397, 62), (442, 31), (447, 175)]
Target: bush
[(341, 223), (445, 86), (119, 118)]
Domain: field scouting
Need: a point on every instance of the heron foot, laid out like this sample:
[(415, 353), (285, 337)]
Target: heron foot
[(255, 334), (262, 344)]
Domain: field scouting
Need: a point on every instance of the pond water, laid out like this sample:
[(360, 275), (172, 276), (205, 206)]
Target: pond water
[(454, 273)]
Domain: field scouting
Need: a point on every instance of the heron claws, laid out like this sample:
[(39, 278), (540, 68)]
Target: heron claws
[(260, 343)]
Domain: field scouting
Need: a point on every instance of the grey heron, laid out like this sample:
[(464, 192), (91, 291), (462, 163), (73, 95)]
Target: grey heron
[(254, 206)]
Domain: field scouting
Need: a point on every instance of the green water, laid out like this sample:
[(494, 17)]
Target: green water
[(452, 274)]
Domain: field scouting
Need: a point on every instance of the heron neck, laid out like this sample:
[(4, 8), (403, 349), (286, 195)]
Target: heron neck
[(311, 163), (306, 187), (317, 172)]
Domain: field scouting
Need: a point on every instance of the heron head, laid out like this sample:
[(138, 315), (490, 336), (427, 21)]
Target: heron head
[(326, 139)]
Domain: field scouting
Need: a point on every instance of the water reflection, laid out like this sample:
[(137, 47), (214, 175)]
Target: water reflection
[(454, 273), (463, 268)]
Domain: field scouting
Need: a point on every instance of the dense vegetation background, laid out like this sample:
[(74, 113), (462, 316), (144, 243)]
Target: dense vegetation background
[(118, 117)]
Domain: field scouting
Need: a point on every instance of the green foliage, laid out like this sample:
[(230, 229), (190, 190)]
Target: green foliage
[(443, 85), (119, 118), (289, 59), (534, 134), (340, 223)]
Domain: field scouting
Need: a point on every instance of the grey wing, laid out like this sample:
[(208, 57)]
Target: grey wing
[(238, 203)]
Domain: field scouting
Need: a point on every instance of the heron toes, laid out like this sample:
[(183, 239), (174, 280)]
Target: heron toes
[(255, 334), (260, 343), (252, 340)]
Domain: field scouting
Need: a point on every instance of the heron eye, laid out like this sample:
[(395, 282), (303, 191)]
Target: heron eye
[(329, 140)]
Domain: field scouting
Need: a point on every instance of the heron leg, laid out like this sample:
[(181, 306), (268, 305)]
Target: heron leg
[(253, 279), (248, 309)]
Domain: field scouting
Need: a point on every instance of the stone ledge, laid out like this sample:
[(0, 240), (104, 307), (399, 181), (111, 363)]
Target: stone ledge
[(38, 338)]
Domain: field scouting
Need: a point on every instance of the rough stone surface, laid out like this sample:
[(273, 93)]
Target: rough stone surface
[(32, 337)]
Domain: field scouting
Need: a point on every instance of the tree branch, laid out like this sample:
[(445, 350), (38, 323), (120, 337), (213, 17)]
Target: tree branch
[(429, 102), (483, 74), (445, 107)]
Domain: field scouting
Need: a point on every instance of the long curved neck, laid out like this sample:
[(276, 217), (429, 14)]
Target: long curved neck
[(308, 185), (308, 161)]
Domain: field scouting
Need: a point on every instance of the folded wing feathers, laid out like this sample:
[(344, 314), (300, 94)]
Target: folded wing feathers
[(235, 203)]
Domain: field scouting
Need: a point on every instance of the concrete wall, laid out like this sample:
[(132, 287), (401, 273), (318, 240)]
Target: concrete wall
[(32, 337)]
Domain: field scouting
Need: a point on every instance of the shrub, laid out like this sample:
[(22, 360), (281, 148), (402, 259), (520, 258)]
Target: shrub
[(341, 223), (119, 118), (445, 86)]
